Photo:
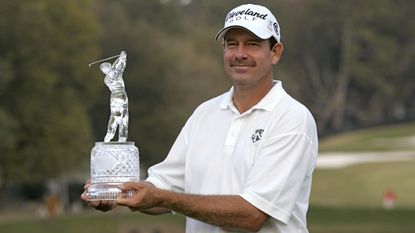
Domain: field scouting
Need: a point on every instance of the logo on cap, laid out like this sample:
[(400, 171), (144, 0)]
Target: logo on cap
[(276, 29), (255, 18), (248, 12)]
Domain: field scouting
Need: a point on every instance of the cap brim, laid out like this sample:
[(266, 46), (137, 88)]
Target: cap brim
[(261, 34)]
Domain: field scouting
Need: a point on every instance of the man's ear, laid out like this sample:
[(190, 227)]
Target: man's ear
[(277, 52)]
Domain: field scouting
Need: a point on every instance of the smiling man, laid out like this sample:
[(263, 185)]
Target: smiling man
[(244, 160)]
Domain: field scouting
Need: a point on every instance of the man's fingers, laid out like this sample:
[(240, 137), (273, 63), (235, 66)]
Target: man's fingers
[(84, 196), (102, 205), (128, 186), (126, 198), (124, 201), (94, 204), (128, 189), (106, 205), (87, 184), (132, 194)]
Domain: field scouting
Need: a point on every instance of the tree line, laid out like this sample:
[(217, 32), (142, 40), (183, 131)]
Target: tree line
[(351, 62)]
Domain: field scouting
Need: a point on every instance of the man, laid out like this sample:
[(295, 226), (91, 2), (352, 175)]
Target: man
[(244, 160)]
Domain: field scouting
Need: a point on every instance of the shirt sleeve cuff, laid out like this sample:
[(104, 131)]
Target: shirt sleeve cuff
[(267, 207), (158, 183)]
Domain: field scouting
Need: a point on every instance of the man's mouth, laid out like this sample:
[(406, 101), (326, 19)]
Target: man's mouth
[(239, 64)]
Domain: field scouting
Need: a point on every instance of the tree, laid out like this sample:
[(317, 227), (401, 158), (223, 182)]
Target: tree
[(170, 69), (350, 55), (46, 46)]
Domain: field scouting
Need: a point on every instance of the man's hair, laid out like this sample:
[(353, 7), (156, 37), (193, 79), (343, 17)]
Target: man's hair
[(272, 42)]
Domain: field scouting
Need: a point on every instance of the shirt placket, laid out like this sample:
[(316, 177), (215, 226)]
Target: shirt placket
[(233, 134)]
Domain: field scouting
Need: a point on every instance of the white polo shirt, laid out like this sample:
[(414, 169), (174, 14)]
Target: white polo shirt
[(266, 155)]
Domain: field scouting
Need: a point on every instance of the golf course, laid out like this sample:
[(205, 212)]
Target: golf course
[(347, 197)]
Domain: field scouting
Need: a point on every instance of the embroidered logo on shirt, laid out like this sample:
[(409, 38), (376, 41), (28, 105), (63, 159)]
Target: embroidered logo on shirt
[(257, 135)]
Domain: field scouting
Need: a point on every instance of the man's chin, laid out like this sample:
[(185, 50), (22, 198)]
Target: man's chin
[(240, 81)]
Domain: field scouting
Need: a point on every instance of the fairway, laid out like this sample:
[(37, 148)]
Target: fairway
[(360, 220), (118, 221), (343, 200), (321, 220), (400, 137), (364, 185)]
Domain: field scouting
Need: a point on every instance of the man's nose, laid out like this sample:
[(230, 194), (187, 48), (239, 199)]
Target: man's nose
[(241, 52)]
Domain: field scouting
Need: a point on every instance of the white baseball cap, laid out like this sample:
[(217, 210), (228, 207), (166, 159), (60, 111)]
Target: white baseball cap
[(255, 18)]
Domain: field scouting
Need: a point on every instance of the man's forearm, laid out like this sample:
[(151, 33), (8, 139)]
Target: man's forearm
[(227, 211), (154, 210)]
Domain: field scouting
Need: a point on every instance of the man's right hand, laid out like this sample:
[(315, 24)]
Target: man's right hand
[(102, 205)]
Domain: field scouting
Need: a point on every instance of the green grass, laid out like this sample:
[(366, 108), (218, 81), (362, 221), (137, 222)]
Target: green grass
[(320, 220), (347, 200), (363, 185), (360, 220), (111, 222), (386, 138)]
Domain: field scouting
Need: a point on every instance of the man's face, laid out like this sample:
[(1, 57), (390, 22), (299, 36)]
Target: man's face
[(247, 58)]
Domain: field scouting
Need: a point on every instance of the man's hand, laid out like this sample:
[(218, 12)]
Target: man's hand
[(227, 211), (145, 196), (98, 205)]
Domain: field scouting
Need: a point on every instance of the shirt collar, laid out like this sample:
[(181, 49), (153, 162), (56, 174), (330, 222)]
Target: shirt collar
[(268, 103)]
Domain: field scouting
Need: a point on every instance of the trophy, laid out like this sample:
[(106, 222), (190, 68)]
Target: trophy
[(114, 162)]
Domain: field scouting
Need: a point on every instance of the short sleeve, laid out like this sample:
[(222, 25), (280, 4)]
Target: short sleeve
[(169, 174), (278, 174)]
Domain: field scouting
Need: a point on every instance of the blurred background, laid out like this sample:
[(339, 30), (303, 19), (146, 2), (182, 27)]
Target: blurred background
[(350, 62)]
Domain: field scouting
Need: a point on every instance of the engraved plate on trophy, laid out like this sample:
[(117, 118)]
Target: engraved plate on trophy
[(113, 163)]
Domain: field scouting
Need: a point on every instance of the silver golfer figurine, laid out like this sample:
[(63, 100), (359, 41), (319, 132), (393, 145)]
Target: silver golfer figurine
[(119, 100), (113, 163)]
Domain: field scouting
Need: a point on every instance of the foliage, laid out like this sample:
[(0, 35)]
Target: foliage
[(170, 70), (45, 97), (355, 61), (351, 62)]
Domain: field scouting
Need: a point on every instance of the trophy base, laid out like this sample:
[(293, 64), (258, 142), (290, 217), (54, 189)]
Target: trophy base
[(107, 191)]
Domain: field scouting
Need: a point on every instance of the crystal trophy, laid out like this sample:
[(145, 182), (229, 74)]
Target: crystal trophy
[(114, 162)]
